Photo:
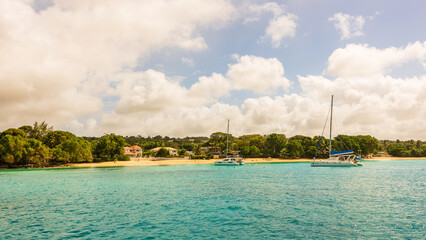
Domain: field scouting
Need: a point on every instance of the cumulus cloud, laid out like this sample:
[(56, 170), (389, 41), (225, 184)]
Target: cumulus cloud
[(148, 91), (281, 25), (61, 60), (349, 26), (362, 60), (257, 74), (209, 89), (377, 104), (76, 64), (152, 91)]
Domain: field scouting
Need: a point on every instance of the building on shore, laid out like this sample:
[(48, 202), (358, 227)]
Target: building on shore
[(133, 151), (172, 151), (215, 151)]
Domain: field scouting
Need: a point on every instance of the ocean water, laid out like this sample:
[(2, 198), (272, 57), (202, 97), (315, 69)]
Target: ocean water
[(382, 200)]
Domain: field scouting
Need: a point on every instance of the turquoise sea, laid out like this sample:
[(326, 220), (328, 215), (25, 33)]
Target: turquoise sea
[(382, 200)]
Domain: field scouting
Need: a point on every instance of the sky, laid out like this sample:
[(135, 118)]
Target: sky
[(183, 67)]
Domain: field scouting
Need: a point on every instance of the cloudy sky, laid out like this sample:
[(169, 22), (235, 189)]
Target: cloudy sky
[(182, 68)]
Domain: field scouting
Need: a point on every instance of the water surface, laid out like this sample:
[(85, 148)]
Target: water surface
[(384, 199)]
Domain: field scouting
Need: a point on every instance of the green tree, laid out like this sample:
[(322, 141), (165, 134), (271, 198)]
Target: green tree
[(53, 139), (13, 132), (368, 144), (397, 150), (293, 149), (18, 150), (323, 151), (218, 139), (109, 147), (250, 145), (27, 129), (12, 149), (308, 145), (197, 150), (162, 153), (244, 150), (254, 151), (274, 143), (35, 152), (40, 130), (188, 146), (73, 150), (182, 152)]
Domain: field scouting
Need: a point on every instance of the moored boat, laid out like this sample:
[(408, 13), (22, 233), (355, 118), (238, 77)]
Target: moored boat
[(336, 158), (229, 160)]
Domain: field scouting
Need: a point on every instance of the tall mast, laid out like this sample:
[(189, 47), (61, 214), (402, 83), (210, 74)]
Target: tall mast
[(331, 120), (227, 135)]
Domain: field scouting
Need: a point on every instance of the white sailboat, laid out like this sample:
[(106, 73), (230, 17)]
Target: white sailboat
[(229, 160), (336, 158)]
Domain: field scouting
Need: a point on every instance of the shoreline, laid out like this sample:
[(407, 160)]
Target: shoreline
[(142, 162), (149, 162)]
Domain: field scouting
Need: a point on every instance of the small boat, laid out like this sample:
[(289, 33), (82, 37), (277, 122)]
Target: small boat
[(336, 158), (230, 159)]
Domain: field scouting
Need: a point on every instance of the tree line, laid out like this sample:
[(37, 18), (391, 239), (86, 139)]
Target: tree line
[(40, 145)]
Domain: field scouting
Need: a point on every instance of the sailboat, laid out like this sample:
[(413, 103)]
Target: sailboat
[(230, 159), (336, 158)]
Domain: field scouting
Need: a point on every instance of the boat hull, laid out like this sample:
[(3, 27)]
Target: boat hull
[(229, 162), (220, 163), (334, 164)]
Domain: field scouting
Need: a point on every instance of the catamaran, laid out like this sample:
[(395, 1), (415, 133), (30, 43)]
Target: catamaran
[(336, 158), (230, 159)]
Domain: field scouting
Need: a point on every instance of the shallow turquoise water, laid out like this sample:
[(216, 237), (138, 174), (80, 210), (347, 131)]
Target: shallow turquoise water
[(381, 200)]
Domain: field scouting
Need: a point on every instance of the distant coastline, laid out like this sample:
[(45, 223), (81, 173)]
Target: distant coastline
[(147, 162), (141, 162)]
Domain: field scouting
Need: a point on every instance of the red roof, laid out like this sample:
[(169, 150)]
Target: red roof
[(136, 147)]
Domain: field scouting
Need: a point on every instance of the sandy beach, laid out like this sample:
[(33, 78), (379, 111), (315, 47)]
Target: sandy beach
[(178, 161)]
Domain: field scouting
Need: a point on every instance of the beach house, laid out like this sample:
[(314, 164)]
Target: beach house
[(172, 151), (215, 151), (133, 151)]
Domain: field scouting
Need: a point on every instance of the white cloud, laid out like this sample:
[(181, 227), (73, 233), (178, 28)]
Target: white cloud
[(256, 11), (362, 60), (179, 121), (258, 74), (62, 59), (209, 89), (349, 26), (73, 65), (280, 26), (188, 61), (377, 105), (152, 92)]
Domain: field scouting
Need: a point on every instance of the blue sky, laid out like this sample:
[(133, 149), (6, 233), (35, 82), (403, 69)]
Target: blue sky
[(181, 68)]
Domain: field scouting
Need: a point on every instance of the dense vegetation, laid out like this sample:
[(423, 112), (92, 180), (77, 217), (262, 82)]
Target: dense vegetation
[(40, 145)]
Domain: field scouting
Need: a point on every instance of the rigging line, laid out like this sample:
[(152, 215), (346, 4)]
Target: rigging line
[(326, 120), (343, 142), (322, 134)]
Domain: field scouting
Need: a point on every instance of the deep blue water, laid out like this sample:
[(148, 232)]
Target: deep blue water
[(382, 200)]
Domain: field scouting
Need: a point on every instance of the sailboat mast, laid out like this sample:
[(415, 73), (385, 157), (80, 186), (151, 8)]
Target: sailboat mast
[(331, 120), (227, 136)]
